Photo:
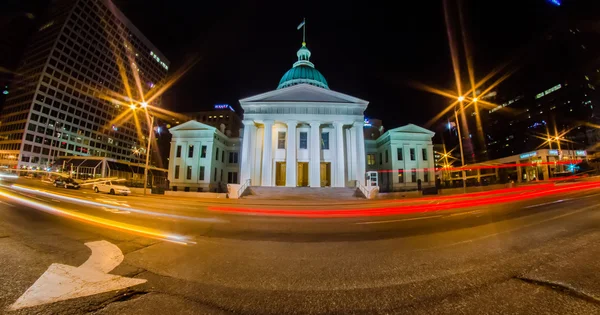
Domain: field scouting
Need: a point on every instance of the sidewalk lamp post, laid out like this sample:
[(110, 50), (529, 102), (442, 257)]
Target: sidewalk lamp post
[(462, 155), (461, 99), (144, 105)]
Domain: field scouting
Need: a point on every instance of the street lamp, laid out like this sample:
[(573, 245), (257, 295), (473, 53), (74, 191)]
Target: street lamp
[(144, 105), (462, 155)]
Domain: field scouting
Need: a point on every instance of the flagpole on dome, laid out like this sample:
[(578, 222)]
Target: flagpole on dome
[(303, 26)]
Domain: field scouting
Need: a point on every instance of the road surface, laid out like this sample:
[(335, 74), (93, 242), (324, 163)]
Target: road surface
[(529, 256)]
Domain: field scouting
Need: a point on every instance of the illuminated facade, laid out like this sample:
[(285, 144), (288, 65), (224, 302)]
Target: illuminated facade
[(301, 134), (202, 158), (80, 52), (304, 134)]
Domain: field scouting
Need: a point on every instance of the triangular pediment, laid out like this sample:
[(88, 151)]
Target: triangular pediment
[(411, 128), (302, 93), (191, 125)]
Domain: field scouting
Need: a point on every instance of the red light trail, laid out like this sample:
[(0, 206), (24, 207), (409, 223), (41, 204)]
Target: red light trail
[(534, 192)]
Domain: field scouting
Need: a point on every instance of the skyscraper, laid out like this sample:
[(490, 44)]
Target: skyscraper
[(82, 69)]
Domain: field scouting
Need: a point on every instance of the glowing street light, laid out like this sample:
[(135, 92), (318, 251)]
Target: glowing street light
[(462, 154), (144, 105), (475, 100)]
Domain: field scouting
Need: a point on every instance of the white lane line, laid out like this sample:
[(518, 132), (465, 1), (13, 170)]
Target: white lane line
[(506, 231), (547, 203), (34, 197), (399, 220), (465, 213), (588, 196), (8, 204)]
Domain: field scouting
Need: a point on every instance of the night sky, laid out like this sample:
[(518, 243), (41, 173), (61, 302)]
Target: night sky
[(369, 50)]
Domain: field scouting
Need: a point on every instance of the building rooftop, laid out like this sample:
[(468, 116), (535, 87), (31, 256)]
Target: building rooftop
[(303, 71)]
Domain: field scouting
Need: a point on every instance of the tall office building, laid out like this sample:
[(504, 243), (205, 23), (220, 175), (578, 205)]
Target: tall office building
[(84, 54), (222, 117)]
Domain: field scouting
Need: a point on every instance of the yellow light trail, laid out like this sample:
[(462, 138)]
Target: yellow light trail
[(148, 232)]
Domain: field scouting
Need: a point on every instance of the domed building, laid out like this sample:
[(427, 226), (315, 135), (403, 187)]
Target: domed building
[(302, 134), (303, 72)]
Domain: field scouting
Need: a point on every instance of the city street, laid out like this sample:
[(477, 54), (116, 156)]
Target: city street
[(531, 255)]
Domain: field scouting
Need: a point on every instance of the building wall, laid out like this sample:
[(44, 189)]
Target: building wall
[(397, 174), (217, 163), (227, 117), (67, 71)]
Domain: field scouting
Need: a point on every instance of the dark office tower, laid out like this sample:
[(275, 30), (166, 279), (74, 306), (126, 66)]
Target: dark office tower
[(72, 85)]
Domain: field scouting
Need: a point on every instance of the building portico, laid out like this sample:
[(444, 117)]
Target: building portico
[(303, 134), (308, 152)]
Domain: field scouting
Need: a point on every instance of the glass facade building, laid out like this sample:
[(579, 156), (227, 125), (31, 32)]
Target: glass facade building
[(73, 78)]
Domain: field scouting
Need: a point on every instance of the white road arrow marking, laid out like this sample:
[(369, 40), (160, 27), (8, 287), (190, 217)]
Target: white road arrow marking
[(62, 282)]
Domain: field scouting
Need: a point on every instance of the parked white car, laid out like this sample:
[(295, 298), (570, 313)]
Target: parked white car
[(111, 188)]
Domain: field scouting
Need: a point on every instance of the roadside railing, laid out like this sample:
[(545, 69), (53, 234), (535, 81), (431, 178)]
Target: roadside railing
[(243, 188), (369, 192), (235, 191)]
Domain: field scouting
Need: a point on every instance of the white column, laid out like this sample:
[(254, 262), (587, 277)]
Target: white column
[(267, 164), (431, 163), (290, 155), (256, 156), (340, 179), (247, 144), (314, 161), (360, 152), (352, 152)]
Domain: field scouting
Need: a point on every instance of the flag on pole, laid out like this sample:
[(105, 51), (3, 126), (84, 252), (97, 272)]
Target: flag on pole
[(301, 24)]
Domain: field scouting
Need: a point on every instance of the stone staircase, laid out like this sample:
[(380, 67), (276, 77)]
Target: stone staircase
[(303, 193)]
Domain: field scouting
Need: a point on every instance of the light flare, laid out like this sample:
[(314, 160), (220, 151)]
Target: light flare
[(147, 232)]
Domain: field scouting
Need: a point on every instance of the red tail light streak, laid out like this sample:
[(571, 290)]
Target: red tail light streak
[(485, 198)]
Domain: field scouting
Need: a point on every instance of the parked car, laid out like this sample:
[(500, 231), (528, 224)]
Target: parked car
[(66, 182), (111, 188)]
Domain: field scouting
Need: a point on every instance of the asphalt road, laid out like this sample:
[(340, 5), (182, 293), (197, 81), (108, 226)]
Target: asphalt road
[(533, 256)]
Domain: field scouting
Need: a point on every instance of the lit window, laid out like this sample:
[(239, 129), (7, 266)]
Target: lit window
[(370, 159)]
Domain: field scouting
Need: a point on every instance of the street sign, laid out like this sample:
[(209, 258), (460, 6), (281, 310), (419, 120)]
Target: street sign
[(62, 282)]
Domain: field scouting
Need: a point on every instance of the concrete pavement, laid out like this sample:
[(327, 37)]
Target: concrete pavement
[(531, 256)]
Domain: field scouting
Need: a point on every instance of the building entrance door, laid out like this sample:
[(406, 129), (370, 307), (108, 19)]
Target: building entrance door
[(302, 174), (280, 173), (325, 174)]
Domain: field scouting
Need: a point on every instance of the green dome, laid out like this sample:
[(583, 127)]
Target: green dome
[(303, 72)]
